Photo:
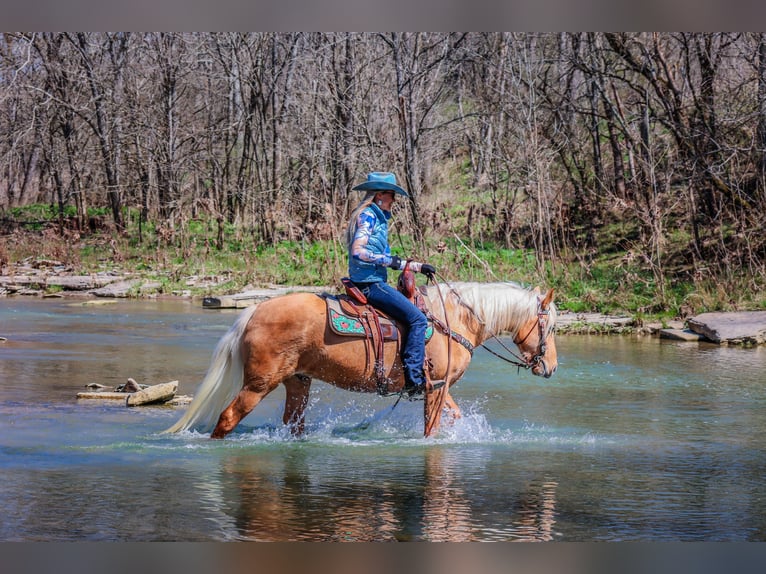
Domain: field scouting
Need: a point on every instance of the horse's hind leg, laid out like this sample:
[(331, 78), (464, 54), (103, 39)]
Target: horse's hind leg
[(296, 400), (297, 387), (238, 409)]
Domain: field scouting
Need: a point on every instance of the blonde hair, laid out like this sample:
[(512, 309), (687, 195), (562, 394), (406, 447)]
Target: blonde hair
[(351, 226)]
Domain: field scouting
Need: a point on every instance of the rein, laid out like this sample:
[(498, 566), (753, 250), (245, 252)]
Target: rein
[(518, 361), (450, 336)]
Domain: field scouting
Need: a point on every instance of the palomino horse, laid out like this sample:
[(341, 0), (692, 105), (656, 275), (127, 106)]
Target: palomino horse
[(288, 340)]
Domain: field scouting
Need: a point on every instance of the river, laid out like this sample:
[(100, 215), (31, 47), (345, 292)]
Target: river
[(633, 439)]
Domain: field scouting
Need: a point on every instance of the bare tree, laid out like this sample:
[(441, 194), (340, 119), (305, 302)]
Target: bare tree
[(422, 65), (103, 113)]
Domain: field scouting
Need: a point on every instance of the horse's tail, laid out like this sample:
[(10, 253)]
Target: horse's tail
[(221, 383)]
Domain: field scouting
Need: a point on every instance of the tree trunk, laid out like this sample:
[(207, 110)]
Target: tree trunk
[(109, 148), (761, 136), (406, 111)]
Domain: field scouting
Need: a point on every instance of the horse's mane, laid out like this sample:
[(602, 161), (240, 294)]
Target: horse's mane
[(500, 307)]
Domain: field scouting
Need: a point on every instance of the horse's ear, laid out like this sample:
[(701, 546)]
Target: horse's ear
[(547, 300)]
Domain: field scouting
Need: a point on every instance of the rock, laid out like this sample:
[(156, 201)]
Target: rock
[(739, 328), (117, 289), (680, 335), (251, 297), (593, 323), (72, 282), (16, 283), (93, 303), (150, 287), (180, 400), (64, 282)]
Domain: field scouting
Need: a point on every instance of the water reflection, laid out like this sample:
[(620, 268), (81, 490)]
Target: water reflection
[(297, 495), (447, 513), (537, 512)]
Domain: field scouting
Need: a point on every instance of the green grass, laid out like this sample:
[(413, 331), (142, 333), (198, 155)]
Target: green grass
[(607, 282)]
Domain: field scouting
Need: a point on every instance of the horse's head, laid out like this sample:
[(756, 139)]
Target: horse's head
[(535, 338), (485, 309)]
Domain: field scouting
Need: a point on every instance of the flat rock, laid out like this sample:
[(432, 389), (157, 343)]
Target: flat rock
[(65, 282), (253, 296), (80, 282), (103, 395), (590, 323), (117, 289), (680, 335), (743, 327), (566, 318)]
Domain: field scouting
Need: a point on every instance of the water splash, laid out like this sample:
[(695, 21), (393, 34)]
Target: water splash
[(358, 423)]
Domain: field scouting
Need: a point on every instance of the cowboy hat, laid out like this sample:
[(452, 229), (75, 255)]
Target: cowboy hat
[(381, 181)]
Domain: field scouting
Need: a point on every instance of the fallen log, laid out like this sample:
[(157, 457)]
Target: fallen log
[(160, 393)]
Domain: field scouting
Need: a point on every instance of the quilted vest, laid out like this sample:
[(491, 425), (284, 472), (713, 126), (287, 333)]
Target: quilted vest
[(361, 271)]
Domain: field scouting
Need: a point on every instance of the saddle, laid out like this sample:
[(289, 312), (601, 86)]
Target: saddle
[(351, 315)]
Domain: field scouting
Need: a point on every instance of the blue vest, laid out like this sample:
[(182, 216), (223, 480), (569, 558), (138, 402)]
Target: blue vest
[(361, 271)]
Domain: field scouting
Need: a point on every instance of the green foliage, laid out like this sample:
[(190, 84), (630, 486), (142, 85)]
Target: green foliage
[(46, 212)]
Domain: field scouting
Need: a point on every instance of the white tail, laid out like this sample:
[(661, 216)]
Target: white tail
[(222, 381)]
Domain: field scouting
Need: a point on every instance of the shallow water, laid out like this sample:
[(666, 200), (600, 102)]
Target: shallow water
[(632, 439)]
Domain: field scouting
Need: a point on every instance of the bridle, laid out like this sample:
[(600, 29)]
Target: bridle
[(542, 323), (519, 361)]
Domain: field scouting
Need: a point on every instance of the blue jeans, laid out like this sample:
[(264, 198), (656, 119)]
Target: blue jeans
[(384, 297)]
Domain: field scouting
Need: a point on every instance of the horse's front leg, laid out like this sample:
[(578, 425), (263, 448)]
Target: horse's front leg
[(452, 409), (296, 400)]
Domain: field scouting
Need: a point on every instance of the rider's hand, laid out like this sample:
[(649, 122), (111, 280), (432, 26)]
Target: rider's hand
[(397, 263), (428, 270)]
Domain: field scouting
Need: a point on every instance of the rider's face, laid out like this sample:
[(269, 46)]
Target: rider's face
[(385, 199)]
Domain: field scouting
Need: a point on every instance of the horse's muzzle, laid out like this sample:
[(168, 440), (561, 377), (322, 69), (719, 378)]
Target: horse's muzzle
[(541, 369)]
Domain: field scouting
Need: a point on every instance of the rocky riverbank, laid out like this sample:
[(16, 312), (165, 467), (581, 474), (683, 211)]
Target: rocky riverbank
[(41, 278), (47, 278)]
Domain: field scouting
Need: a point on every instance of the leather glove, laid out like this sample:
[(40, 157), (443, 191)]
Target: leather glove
[(427, 269), (397, 263)]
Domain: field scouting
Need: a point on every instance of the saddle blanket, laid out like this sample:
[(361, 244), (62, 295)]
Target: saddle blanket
[(343, 323)]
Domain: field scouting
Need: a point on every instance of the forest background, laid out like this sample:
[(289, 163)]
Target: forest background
[(628, 170)]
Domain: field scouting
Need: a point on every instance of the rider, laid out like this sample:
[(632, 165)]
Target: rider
[(369, 257)]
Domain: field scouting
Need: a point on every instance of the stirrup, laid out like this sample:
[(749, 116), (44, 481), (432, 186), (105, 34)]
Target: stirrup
[(434, 385), (414, 392)]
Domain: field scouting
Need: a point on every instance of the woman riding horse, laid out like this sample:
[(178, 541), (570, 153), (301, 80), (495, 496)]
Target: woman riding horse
[(369, 257)]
